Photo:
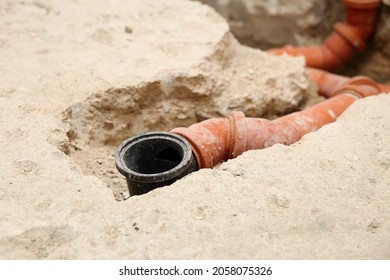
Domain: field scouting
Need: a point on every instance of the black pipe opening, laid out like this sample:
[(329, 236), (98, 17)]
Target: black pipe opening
[(153, 160)]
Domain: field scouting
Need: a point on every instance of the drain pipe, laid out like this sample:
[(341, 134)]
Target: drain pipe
[(153, 160), (156, 159), (217, 140), (331, 84), (347, 38)]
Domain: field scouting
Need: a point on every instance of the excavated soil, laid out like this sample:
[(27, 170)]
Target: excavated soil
[(97, 125), (78, 79), (230, 77)]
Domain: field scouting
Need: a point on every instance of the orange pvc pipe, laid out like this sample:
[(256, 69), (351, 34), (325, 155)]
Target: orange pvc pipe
[(362, 87), (326, 82), (346, 39), (362, 14), (219, 139), (332, 84)]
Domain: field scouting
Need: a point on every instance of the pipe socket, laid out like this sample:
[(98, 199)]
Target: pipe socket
[(347, 38), (153, 160), (331, 84)]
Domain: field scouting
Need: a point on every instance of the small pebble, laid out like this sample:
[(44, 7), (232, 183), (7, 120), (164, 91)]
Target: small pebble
[(125, 195)]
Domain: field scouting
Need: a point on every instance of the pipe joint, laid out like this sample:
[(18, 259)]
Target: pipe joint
[(351, 34), (346, 39), (216, 140), (238, 134), (360, 86)]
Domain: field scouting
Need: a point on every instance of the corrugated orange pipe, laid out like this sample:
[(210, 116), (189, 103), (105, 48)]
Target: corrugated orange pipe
[(347, 38), (219, 139), (331, 84)]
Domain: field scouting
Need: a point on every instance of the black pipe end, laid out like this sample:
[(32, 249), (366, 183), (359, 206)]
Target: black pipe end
[(154, 160)]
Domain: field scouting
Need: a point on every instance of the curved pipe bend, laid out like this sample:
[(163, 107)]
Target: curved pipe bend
[(220, 139), (331, 84), (347, 38)]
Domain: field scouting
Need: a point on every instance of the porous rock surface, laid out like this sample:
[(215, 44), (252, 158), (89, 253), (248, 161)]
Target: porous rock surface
[(67, 68), (275, 23)]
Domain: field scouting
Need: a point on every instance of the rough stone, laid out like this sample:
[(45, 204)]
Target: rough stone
[(273, 23)]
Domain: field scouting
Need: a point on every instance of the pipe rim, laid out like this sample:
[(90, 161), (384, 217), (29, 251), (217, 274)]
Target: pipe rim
[(161, 176), (362, 4)]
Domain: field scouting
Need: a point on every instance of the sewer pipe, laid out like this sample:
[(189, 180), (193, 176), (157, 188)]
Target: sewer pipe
[(347, 38), (216, 140), (157, 159), (154, 159), (331, 84)]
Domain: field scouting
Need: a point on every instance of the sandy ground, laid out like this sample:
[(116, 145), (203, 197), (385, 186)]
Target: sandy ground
[(78, 79)]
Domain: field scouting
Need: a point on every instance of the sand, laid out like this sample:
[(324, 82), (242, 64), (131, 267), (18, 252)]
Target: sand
[(79, 79)]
